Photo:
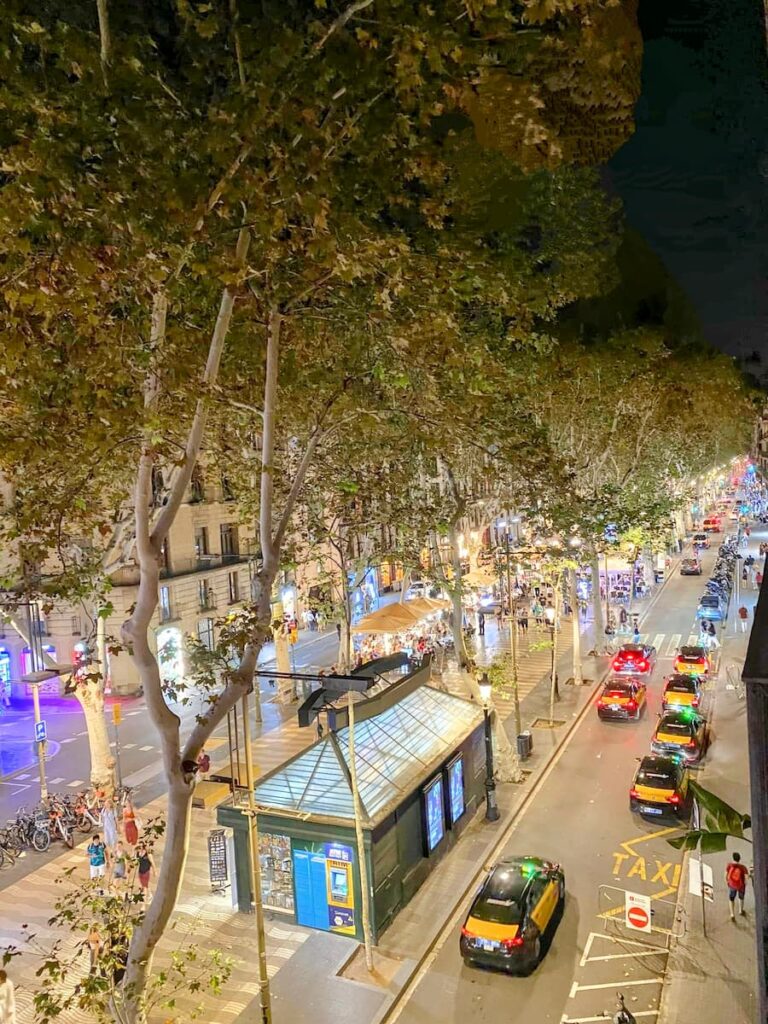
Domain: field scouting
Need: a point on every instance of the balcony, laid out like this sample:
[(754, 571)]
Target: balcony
[(128, 575)]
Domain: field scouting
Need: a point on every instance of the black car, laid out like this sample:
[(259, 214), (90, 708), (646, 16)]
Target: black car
[(690, 567), (515, 907)]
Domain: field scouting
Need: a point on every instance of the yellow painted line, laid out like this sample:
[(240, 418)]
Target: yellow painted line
[(629, 845)]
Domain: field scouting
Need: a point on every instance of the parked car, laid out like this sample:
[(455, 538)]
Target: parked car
[(711, 607), (700, 540)]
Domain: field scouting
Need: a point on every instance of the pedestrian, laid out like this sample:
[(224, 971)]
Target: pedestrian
[(747, 530), (480, 624), (536, 609), (522, 620), (7, 1000), (130, 829), (736, 879), (97, 857), (758, 579), (94, 948), (109, 824), (5, 692), (119, 862), (338, 631), (145, 865), (743, 616), (744, 575), (636, 633), (203, 763), (499, 614)]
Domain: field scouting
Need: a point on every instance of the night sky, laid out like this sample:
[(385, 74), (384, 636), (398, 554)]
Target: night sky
[(694, 177)]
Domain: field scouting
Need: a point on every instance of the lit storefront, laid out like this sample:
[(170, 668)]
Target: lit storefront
[(47, 688), (170, 654), (421, 768)]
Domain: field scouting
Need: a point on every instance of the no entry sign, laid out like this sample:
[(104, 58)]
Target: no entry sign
[(637, 912)]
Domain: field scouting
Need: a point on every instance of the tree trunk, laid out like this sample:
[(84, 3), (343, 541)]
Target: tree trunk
[(456, 589), (578, 675), (90, 696), (597, 603)]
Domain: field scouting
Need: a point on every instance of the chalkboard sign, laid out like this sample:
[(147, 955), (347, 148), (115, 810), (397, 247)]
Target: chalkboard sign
[(217, 858)]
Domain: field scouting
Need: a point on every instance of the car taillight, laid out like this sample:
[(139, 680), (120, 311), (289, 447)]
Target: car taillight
[(631, 704), (695, 702), (691, 743), (467, 933), (634, 793), (616, 665), (674, 799), (643, 665), (512, 943)]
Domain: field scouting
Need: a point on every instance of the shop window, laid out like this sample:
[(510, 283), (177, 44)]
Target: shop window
[(5, 670), (165, 604), (165, 557), (455, 789), (170, 655), (233, 583)]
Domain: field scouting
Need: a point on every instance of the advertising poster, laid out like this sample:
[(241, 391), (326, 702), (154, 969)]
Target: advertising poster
[(434, 813), (456, 789)]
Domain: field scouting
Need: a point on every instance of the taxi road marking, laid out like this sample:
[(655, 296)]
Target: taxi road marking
[(643, 949), (639, 867), (602, 1018), (576, 987)]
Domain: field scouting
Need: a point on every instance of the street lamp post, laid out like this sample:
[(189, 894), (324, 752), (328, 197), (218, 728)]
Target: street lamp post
[(491, 807)]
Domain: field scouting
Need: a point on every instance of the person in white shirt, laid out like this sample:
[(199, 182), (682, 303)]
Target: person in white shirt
[(7, 1000)]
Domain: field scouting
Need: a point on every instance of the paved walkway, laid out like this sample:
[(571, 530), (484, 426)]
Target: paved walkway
[(712, 979)]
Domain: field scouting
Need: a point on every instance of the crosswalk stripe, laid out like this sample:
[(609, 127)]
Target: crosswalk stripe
[(128, 746), (658, 640), (146, 748), (24, 775), (693, 640), (55, 782), (674, 643), (75, 783)]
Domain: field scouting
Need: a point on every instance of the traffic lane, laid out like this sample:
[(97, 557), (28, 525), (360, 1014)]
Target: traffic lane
[(581, 818)]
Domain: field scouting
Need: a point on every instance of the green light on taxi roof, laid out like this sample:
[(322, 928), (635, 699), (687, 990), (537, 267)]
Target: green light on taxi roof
[(686, 714), (528, 868)]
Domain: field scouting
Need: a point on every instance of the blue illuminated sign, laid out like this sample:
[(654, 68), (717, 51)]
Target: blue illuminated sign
[(434, 808), (335, 852), (456, 789)]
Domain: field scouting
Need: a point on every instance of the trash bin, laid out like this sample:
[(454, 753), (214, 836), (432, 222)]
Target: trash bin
[(524, 744)]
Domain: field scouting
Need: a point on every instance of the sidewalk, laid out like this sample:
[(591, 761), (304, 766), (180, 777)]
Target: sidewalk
[(713, 979)]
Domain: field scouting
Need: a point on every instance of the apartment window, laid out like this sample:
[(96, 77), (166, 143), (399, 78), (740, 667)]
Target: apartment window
[(205, 633), (226, 490), (197, 485), (201, 542), (205, 594), (165, 556), (230, 543), (165, 604), (234, 587)]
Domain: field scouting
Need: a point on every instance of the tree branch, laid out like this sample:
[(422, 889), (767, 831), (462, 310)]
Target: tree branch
[(342, 20), (195, 436)]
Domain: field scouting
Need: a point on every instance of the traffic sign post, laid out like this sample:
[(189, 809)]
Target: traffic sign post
[(41, 732), (637, 912)]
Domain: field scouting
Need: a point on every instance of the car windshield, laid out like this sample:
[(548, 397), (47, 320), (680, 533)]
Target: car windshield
[(675, 727), (501, 898), (692, 653), (690, 563), (709, 599), (618, 688), (655, 778), (631, 649)]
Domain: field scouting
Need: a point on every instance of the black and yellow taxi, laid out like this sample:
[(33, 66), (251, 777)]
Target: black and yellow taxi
[(692, 660), (683, 733), (681, 692), (511, 914), (660, 788), (622, 697)]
